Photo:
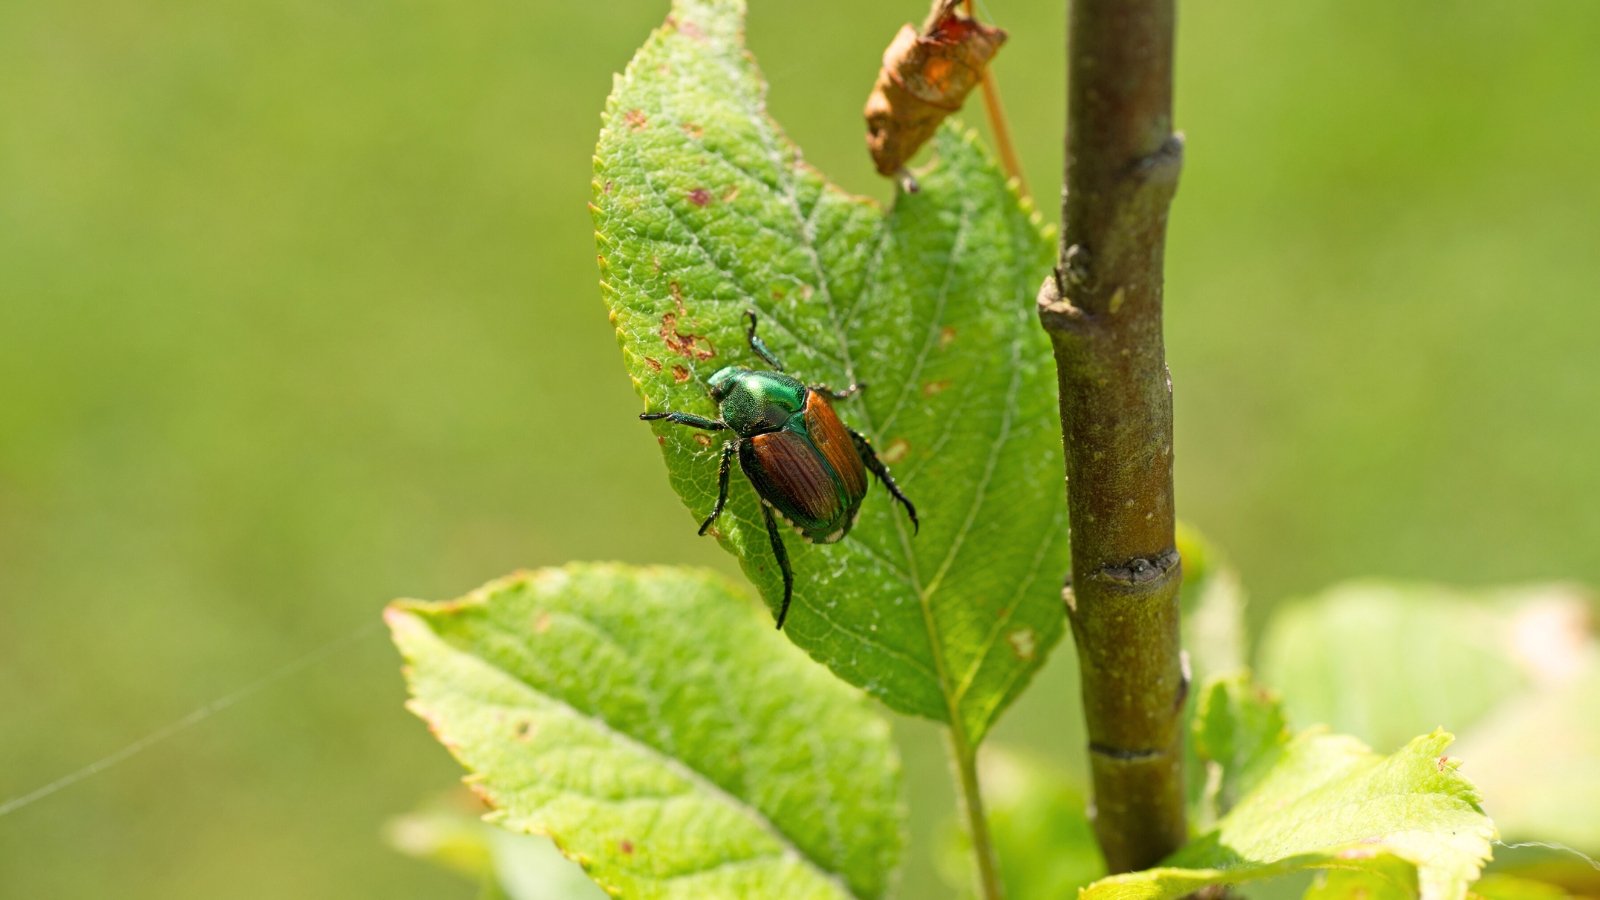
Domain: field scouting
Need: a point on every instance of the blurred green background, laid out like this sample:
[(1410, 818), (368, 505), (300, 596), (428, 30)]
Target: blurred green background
[(298, 313)]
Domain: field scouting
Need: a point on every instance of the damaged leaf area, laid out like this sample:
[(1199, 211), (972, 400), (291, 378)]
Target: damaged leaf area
[(703, 209), (926, 76), (654, 725)]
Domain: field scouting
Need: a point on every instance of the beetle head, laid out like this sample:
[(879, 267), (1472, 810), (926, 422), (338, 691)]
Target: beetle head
[(722, 381)]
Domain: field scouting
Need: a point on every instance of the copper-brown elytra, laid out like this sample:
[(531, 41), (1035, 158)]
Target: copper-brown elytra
[(805, 464)]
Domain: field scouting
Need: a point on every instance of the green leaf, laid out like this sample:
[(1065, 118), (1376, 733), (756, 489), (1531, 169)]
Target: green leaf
[(1537, 761), (1240, 733), (1515, 672), (653, 724), (1384, 878), (703, 209), (1212, 604), (1330, 803), (1509, 887), (1340, 658)]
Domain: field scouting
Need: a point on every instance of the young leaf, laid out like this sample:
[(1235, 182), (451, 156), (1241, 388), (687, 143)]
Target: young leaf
[(1339, 658), (1330, 803), (1384, 878), (1537, 763), (1239, 734), (1398, 881), (703, 209), (1510, 887), (654, 725), (1214, 643), (1515, 672)]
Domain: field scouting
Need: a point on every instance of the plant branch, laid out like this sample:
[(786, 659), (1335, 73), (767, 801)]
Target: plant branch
[(964, 757), (1102, 310)]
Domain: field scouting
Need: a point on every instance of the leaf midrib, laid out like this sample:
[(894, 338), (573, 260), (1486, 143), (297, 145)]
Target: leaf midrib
[(757, 115), (785, 177), (734, 75), (755, 111)]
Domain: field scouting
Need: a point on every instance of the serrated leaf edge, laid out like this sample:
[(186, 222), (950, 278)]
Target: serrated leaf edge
[(407, 620), (952, 685)]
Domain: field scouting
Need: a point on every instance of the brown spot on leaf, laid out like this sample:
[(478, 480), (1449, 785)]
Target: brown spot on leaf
[(896, 451), (683, 343), (524, 730), (653, 363), (1023, 643), (777, 293), (933, 388), (677, 296), (703, 440), (680, 374), (636, 119), (626, 846), (661, 439), (947, 336), (693, 130), (699, 196)]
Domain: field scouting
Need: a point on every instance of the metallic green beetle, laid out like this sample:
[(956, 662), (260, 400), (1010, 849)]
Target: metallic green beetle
[(805, 465)]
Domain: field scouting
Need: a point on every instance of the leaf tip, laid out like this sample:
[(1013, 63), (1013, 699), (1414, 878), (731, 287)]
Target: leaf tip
[(404, 618)]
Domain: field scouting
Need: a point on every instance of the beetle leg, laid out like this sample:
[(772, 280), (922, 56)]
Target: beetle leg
[(758, 345), (722, 484), (783, 562), (693, 421), (848, 392), (876, 467)]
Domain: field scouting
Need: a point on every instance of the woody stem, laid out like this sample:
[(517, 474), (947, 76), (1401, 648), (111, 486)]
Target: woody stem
[(1102, 310)]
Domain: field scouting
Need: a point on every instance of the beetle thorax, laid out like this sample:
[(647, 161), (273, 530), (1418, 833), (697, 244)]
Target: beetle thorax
[(754, 402)]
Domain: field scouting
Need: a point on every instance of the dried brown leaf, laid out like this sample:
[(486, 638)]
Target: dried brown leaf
[(926, 76)]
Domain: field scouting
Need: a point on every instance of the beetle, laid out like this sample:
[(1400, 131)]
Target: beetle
[(808, 468)]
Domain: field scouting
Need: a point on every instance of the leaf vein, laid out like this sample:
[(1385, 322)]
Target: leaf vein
[(963, 222), (682, 769)]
